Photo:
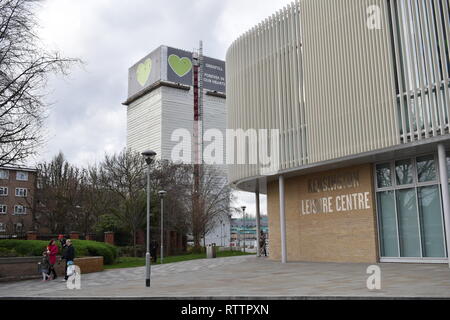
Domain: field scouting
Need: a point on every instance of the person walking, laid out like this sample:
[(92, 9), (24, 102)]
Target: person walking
[(68, 255), (262, 243), (62, 241), (52, 251), (154, 250), (44, 266)]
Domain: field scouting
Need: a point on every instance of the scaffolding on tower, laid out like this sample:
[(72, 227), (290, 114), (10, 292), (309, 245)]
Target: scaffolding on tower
[(197, 58)]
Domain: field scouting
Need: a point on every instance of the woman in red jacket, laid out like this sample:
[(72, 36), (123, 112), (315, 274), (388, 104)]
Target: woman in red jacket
[(52, 251)]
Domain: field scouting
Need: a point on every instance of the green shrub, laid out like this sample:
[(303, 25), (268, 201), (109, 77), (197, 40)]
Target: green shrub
[(25, 247), (83, 248), (93, 248), (5, 252)]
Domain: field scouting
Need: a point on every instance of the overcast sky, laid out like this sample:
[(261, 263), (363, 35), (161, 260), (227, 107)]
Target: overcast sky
[(87, 118)]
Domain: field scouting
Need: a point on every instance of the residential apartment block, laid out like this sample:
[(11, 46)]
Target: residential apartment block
[(17, 189)]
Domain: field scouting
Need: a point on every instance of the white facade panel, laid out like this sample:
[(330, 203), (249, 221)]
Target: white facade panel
[(337, 86), (177, 113), (153, 119), (144, 123)]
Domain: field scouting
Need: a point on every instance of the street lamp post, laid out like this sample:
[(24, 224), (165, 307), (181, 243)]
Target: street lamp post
[(221, 234), (149, 157), (243, 215), (162, 194)]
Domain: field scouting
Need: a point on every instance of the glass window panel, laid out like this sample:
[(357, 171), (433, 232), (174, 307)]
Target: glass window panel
[(4, 174), (403, 171), (388, 224), (408, 225), (21, 176), (384, 175), (431, 221), (426, 168)]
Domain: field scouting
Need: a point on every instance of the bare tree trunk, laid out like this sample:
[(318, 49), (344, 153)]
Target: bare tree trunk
[(204, 242), (134, 243)]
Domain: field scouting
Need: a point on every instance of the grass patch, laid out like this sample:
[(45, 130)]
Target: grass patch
[(131, 262)]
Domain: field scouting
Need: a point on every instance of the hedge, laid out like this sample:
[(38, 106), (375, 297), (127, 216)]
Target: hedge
[(83, 248)]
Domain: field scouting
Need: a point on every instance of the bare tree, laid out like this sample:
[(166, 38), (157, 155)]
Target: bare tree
[(24, 69), (95, 200), (185, 209), (59, 195), (124, 175), (176, 180), (214, 199)]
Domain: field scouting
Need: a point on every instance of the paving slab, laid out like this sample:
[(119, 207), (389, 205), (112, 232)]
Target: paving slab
[(247, 277)]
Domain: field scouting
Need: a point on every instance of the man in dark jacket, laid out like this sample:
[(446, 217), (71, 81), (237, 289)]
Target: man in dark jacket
[(262, 243), (154, 250), (68, 255), (62, 241)]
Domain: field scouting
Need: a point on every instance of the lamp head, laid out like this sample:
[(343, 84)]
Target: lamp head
[(162, 193), (243, 208), (149, 156)]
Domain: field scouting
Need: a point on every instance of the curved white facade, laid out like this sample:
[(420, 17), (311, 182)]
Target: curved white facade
[(337, 87)]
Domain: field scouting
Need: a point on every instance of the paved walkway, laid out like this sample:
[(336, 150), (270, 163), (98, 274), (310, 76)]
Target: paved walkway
[(247, 276)]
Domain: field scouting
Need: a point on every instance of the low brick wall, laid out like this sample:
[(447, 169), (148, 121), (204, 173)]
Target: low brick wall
[(22, 268)]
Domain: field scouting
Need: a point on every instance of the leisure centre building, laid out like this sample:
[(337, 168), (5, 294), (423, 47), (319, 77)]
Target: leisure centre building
[(359, 93)]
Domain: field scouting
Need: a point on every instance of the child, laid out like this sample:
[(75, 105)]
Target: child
[(44, 266), (52, 251)]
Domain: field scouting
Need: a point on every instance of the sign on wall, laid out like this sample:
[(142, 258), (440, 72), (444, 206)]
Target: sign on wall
[(145, 72), (214, 75), (179, 66), (336, 193), (174, 65)]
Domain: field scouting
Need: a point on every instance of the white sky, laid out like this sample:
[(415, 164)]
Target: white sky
[(87, 118)]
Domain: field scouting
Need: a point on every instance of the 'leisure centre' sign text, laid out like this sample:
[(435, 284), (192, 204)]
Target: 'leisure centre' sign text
[(339, 203)]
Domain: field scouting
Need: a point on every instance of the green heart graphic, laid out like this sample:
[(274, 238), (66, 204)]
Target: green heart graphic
[(143, 71), (180, 66)]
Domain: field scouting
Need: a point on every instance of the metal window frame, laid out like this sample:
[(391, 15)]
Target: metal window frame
[(415, 185), (20, 213), (384, 189), (4, 194), (442, 219), (6, 172), (24, 193), (22, 172), (380, 238)]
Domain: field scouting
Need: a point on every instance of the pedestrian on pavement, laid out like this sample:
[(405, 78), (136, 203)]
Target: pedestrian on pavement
[(153, 250), (44, 266), (68, 255), (262, 243), (62, 241), (52, 251)]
